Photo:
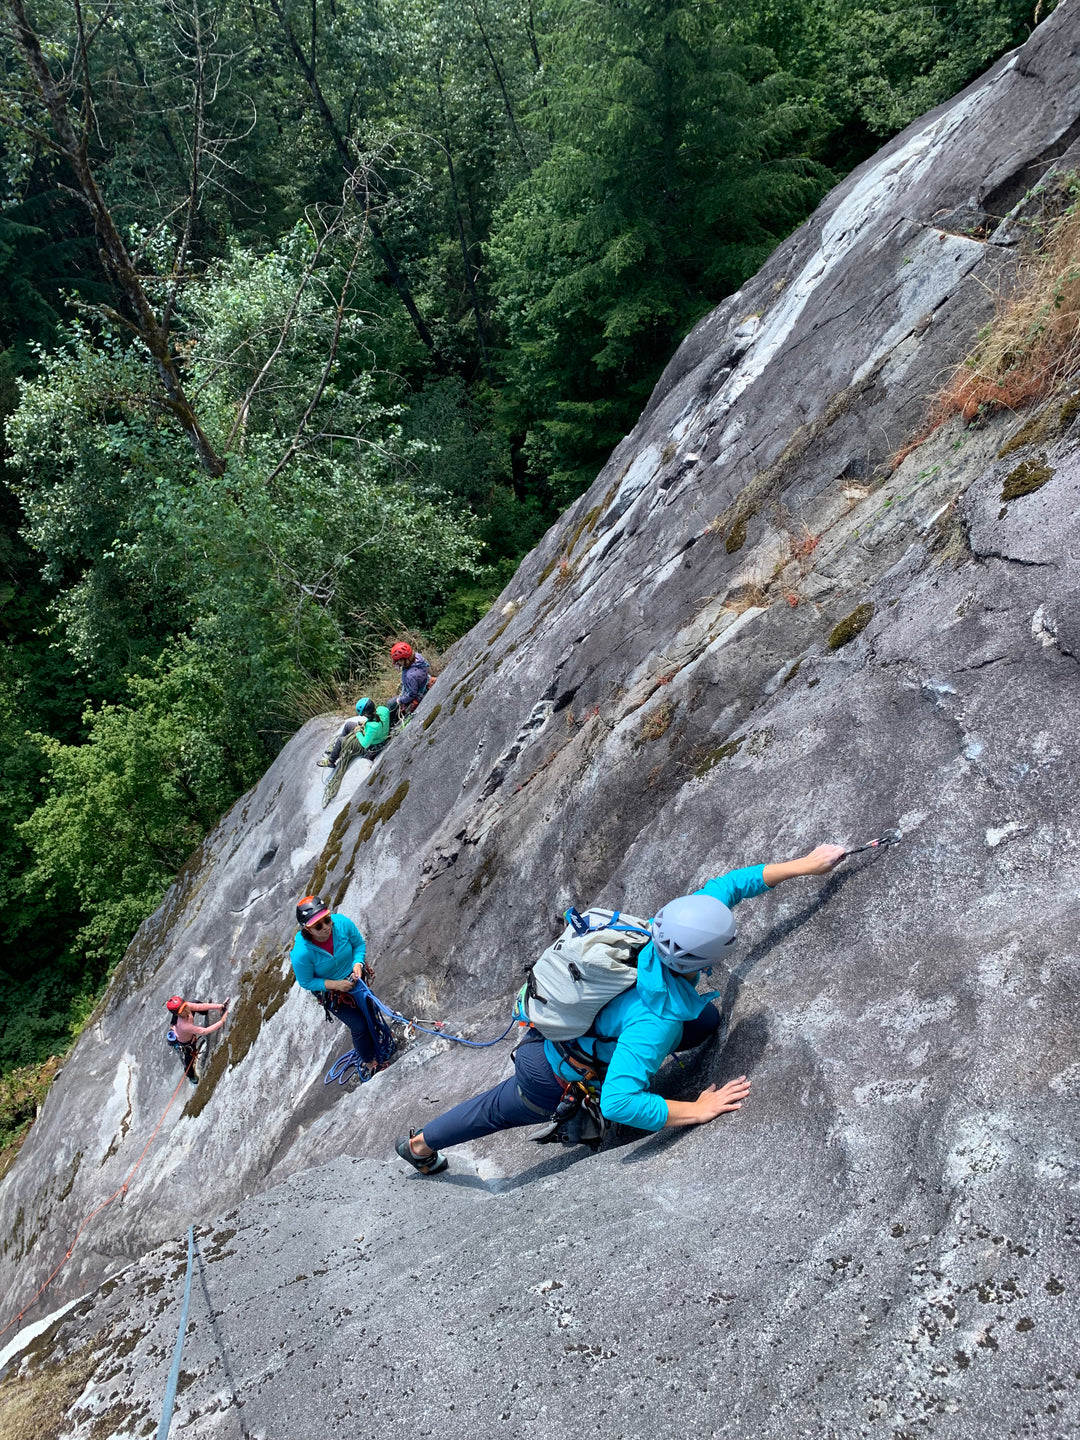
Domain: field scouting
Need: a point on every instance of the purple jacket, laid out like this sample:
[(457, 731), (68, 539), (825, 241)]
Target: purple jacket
[(414, 682)]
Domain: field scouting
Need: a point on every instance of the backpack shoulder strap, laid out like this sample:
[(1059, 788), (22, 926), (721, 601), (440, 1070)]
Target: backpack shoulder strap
[(583, 925)]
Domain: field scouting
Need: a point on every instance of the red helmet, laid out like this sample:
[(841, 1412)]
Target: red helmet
[(402, 652), (173, 1003)]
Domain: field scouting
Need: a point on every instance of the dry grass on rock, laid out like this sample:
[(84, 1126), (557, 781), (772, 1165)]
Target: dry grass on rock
[(1032, 346)]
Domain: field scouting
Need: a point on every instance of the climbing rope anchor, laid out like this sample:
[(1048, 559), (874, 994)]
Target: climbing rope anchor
[(885, 839)]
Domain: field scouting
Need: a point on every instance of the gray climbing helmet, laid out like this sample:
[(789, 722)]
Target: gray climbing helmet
[(693, 931)]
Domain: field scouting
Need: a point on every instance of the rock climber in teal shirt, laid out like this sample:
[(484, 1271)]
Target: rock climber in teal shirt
[(634, 1033), (329, 959)]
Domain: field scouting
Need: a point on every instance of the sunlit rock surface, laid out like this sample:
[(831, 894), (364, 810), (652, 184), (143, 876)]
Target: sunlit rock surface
[(884, 1240)]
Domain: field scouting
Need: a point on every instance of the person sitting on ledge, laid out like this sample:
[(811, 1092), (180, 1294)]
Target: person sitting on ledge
[(372, 726), (634, 1033), (416, 676)]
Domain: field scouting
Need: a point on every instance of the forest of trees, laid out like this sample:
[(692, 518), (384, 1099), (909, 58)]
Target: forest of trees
[(313, 315)]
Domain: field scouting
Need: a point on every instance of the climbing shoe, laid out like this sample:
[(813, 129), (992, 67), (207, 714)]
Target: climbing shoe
[(430, 1165), (324, 763)]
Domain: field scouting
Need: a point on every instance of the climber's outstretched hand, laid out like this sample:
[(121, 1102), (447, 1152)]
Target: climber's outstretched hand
[(822, 859)]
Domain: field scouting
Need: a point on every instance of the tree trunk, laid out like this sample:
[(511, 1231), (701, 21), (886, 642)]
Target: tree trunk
[(385, 253), (113, 251)]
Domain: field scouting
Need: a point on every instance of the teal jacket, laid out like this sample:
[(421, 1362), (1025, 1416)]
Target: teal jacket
[(645, 1024), (374, 733), (311, 964)]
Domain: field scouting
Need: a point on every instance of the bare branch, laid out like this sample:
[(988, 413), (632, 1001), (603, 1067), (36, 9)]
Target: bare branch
[(114, 252), (327, 370), (286, 327)]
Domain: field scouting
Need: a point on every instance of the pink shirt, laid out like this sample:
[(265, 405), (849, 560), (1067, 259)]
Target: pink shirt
[(187, 1030)]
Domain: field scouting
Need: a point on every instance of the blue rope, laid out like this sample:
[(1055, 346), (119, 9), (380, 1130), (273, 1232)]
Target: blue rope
[(178, 1353), (442, 1035), (339, 1071), (457, 1039)]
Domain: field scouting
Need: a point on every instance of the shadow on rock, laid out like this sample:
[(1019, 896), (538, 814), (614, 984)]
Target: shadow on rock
[(780, 932), (235, 1403), (560, 1158)]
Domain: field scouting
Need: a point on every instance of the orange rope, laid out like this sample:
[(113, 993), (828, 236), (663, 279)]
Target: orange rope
[(121, 1192)]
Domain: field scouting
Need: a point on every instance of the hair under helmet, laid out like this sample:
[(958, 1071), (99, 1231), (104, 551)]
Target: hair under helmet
[(693, 931)]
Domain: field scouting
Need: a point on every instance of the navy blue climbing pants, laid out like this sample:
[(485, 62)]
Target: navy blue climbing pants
[(696, 1032), (528, 1097), (364, 1023)]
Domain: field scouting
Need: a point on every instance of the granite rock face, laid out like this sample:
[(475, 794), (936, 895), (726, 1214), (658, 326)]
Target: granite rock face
[(751, 635)]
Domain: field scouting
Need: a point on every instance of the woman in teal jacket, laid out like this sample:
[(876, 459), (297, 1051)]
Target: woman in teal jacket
[(634, 1033), (328, 960)]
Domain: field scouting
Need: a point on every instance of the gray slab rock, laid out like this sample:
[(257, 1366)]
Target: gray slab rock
[(755, 632), (355, 1298)]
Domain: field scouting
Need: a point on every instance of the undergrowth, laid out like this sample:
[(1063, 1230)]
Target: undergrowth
[(1032, 346), (21, 1093), (374, 676)]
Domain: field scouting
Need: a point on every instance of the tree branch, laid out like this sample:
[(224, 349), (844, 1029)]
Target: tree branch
[(74, 147), (385, 253)]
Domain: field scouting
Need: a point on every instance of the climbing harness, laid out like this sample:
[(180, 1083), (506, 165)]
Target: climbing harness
[(186, 1052), (178, 1353), (577, 1120), (885, 839)]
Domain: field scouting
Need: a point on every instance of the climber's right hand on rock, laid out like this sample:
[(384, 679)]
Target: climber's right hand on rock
[(822, 859), (713, 1102)]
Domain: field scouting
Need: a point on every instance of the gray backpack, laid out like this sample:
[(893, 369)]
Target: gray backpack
[(593, 960)]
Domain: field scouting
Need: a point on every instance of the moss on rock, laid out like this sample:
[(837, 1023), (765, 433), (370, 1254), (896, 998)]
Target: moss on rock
[(1028, 477), (851, 625), (712, 758), (736, 536), (331, 851)]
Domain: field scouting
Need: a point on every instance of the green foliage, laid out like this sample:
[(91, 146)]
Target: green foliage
[(125, 809), (679, 159), (22, 1091), (887, 64)]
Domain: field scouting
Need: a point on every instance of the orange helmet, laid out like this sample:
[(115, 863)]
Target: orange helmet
[(310, 908), (402, 652)]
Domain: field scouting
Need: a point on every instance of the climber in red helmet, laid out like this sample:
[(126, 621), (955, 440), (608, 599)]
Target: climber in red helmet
[(184, 1035), (415, 676)]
